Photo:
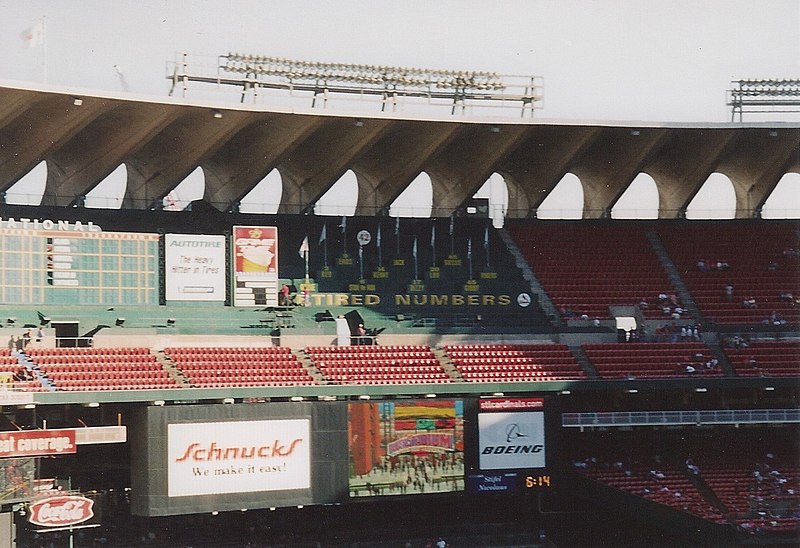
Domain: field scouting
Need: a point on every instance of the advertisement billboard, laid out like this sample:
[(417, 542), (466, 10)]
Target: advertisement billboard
[(28, 443), (188, 459), (238, 457), (194, 267), (511, 441), (255, 265)]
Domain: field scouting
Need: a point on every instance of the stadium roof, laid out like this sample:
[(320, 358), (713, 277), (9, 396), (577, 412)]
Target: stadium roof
[(84, 136)]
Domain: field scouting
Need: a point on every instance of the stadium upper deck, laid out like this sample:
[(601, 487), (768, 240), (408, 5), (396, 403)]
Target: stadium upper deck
[(84, 137)]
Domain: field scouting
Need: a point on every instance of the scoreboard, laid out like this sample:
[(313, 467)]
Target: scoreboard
[(74, 266)]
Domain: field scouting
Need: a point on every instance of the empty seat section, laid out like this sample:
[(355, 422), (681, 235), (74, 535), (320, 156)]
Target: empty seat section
[(412, 364), (587, 267), (514, 363), (82, 369), (764, 358), (760, 262), (217, 367), (652, 360)]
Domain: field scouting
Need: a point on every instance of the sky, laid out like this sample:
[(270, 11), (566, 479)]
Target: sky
[(624, 60)]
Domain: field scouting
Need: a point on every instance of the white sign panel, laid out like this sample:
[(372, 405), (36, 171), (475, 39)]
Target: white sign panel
[(511, 440), (238, 457), (195, 267)]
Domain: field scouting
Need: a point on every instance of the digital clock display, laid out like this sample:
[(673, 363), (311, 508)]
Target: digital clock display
[(537, 481)]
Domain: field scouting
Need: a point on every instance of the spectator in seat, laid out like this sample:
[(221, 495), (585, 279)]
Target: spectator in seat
[(729, 291)]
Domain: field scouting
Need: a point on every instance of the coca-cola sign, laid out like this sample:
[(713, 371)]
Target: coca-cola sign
[(61, 511)]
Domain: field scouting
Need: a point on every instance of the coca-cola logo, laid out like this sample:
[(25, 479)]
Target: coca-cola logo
[(61, 511)]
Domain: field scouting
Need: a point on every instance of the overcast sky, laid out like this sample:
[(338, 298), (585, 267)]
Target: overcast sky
[(604, 60), (626, 60)]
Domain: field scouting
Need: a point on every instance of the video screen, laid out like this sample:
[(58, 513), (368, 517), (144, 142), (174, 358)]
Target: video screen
[(404, 448)]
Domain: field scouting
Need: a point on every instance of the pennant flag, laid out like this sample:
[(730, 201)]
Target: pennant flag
[(397, 226), (33, 36), (486, 238), (414, 248), (344, 224), (433, 236), (303, 248), (469, 248), (451, 225), (323, 235), (378, 236)]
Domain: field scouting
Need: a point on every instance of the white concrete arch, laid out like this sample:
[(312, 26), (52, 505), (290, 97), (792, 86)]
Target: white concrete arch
[(565, 201), (784, 200), (495, 190), (30, 187), (265, 196), (341, 198), (639, 201), (190, 189), (416, 200), (716, 199), (109, 193)]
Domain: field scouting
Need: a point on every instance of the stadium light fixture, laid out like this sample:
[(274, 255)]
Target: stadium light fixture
[(217, 114), (228, 401), (77, 101), (769, 388), (120, 322), (159, 403), (430, 395), (92, 404), (632, 391), (701, 390), (296, 398), (363, 397)]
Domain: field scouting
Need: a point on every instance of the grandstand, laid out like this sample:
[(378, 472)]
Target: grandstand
[(511, 378)]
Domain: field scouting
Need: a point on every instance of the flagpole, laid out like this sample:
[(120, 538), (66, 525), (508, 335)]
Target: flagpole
[(414, 252), (469, 256), (380, 258), (486, 246), (433, 243)]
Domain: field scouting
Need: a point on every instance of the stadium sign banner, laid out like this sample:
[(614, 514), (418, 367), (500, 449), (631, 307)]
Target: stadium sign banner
[(61, 511), (509, 437), (238, 457), (28, 443), (255, 265), (194, 267)]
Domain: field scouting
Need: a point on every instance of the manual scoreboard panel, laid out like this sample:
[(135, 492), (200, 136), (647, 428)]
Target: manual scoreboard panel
[(78, 267)]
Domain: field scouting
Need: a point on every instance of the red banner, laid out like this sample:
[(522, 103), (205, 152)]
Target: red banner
[(28, 443)]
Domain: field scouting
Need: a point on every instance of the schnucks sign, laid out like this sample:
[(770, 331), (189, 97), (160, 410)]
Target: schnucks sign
[(61, 511), (28, 443)]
